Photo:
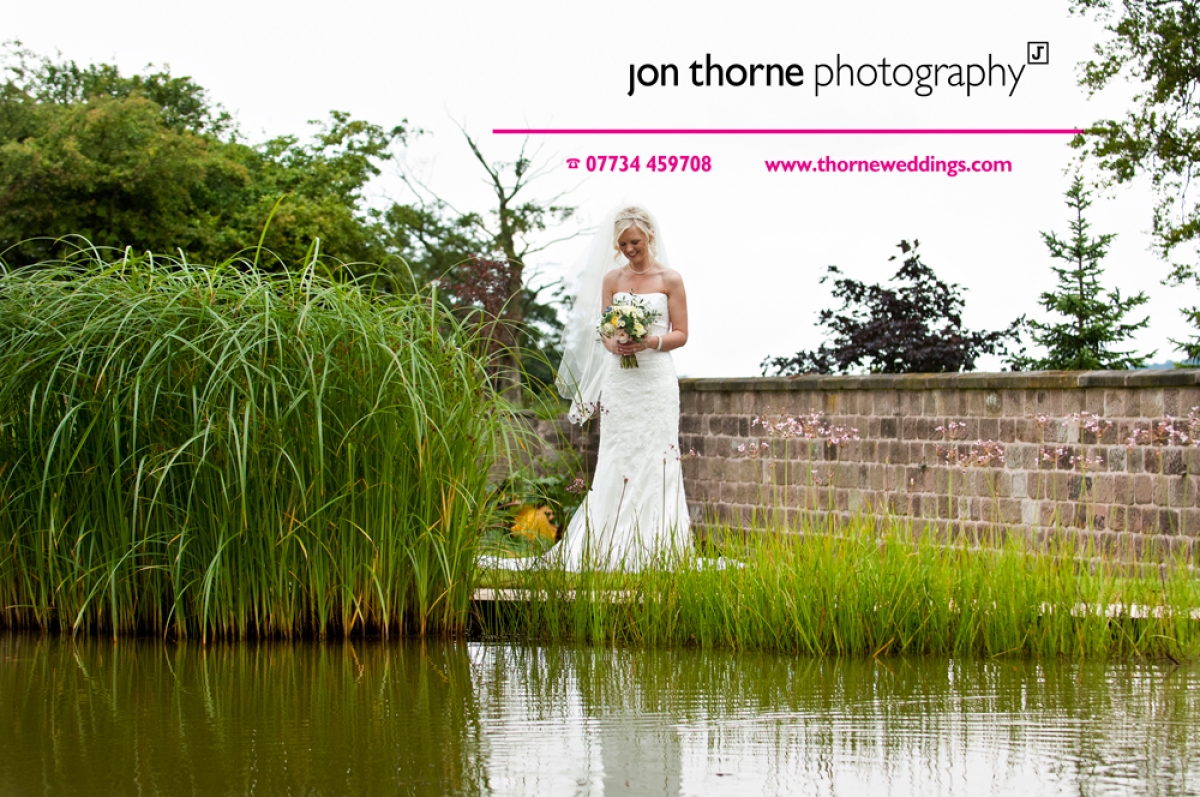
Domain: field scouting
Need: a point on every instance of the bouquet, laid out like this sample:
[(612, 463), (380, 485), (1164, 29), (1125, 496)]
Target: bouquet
[(627, 322)]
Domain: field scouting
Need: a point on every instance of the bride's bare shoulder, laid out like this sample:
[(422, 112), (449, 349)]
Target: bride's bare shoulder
[(672, 279)]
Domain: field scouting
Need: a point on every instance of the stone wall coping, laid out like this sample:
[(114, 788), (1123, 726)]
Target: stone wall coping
[(1032, 380)]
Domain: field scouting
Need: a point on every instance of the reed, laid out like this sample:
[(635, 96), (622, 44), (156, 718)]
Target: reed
[(215, 451), (871, 589)]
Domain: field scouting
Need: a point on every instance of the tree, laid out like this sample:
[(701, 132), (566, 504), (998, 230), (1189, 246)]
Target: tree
[(110, 170), (480, 258), (916, 328), (149, 162), (1153, 43), (184, 103), (1094, 318)]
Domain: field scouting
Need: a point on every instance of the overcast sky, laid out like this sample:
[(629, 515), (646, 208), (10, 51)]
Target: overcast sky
[(751, 245)]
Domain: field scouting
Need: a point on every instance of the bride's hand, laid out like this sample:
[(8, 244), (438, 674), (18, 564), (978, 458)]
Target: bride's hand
[(629, 348), (621, 349)]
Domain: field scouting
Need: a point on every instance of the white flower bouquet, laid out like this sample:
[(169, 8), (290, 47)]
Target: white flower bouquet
[(627, 322)]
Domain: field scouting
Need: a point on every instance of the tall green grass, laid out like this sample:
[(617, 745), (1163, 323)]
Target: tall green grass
[(221, 452), (867, 592)]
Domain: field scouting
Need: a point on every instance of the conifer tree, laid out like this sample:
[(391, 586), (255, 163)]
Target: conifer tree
[(1093, 320)]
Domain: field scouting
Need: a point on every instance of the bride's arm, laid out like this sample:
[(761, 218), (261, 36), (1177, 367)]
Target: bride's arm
[(607, 288), (677, 307)]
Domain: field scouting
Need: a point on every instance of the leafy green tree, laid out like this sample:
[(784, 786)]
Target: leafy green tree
[(1153, 43), (184, 103), (322, 186), (108, 170), (915, 328), (149, 162), (1094, 319)]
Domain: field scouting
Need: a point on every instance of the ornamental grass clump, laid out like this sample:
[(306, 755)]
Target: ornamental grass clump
[(871, 589), (219, 452)]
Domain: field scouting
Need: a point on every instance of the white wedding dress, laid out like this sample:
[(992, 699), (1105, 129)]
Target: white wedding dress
[(635, 514)]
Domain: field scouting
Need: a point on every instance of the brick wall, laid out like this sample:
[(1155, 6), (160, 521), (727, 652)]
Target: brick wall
[(964, 452)]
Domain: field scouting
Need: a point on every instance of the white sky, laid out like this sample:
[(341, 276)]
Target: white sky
[(751, 245)]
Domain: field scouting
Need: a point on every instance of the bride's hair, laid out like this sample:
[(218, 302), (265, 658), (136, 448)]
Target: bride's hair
[(633, 217)]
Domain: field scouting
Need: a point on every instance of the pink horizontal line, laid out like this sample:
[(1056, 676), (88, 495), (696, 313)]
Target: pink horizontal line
[(831, 131)]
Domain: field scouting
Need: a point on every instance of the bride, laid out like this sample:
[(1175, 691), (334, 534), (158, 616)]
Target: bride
[(635, 514)]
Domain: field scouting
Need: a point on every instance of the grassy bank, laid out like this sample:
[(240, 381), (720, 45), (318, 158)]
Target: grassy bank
[(864, 593), (215, 451)]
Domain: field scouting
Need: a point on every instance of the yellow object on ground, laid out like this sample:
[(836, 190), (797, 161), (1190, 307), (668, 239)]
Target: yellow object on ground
[(534, 522)]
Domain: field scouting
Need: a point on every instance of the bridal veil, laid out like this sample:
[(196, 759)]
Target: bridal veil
[(580, 375)]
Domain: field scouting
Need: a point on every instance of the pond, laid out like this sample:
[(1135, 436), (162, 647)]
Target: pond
[(96, 717)]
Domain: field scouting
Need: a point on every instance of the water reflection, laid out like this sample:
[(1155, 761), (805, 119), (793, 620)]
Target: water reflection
[(692, 723), (99, 718), (375, 718)]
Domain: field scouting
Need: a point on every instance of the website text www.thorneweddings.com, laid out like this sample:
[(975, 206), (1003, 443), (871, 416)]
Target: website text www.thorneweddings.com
[(925, 165)]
